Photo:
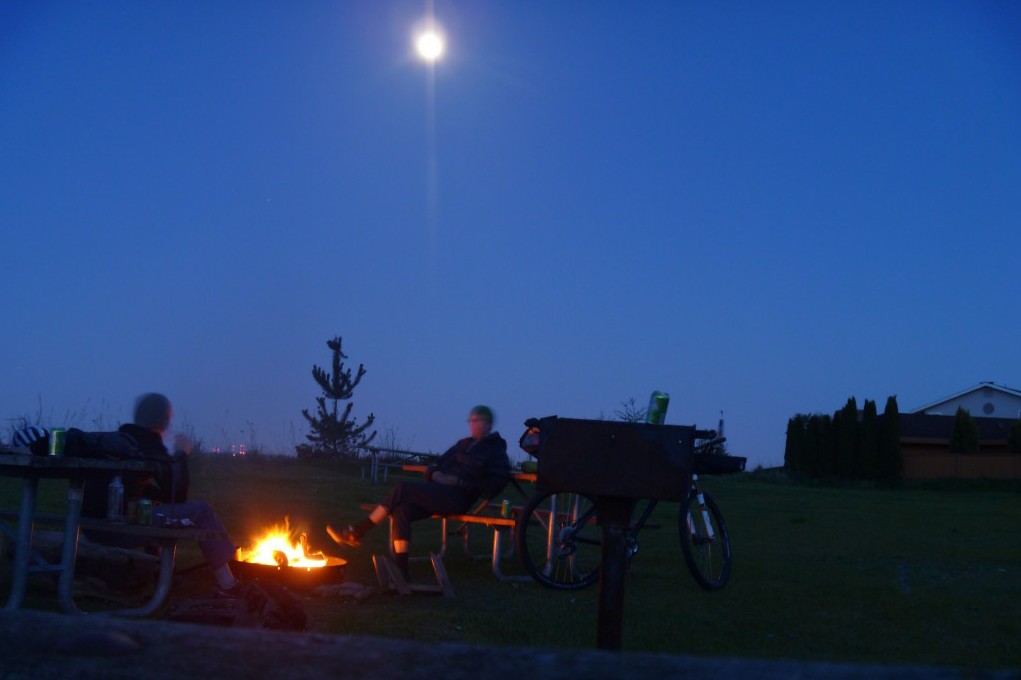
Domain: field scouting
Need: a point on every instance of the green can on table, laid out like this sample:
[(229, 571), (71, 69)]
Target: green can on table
[(143, 513), (658, 403), (58, 440)]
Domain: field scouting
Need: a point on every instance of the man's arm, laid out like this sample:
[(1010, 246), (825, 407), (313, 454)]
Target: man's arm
[(432, 470)]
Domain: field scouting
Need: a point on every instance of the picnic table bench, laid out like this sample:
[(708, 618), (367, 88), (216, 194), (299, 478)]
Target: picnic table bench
[(28, 561)]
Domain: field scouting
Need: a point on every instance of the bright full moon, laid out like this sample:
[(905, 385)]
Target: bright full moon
[(429, 46)]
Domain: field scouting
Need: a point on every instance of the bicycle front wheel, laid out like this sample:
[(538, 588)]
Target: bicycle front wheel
[(558, 541), (705, 542)]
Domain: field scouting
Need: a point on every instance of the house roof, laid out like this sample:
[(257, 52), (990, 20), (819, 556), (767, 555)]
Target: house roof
[(923, 426), (983, 385)]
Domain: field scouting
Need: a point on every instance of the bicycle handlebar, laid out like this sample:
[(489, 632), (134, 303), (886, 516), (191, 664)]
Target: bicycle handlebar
[(709, 444)]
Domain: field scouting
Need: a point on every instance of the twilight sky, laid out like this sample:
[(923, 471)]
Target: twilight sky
[(760, 208)]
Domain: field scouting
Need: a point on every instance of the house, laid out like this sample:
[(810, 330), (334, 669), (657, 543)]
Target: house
[(985, 400), (925, 435)]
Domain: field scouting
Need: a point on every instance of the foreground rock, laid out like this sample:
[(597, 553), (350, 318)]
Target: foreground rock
[(45, 645)]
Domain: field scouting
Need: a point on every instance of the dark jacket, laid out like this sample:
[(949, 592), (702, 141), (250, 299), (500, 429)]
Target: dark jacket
[(170, 483), (481, 467)]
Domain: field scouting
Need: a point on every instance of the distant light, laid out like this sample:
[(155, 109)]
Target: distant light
[(429, 46)]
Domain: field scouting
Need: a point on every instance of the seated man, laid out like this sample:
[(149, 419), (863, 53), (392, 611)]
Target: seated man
[(476, 466), (168, 491)]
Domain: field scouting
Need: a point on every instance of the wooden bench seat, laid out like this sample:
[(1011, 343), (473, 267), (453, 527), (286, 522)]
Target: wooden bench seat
[(165, 538), (104, 525)]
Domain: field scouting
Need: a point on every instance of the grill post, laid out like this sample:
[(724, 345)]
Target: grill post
[(614, 516)]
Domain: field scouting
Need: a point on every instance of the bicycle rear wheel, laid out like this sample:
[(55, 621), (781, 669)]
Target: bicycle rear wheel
[(558, 541), (705, 542)]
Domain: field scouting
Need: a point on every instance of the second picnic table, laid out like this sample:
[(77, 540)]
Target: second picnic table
[(499, 525)]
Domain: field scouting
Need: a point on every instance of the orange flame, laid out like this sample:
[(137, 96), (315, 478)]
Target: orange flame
[(278, 547)]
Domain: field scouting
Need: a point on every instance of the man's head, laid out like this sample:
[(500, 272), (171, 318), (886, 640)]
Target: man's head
[(480, 421), (153, 412)]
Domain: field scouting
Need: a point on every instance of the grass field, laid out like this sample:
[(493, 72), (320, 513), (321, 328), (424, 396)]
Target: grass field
[(820, 572)]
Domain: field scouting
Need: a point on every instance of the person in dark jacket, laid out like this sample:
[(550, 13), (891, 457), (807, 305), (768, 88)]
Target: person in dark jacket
[(475, 467), (168, 490)]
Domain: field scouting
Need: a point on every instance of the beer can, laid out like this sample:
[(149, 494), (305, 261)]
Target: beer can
[(58, 438), (143, 514), (505, 508), (658, 403)]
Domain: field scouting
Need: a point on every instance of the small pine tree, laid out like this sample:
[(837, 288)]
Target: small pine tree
[(334, 432), (846, 426), (891, 462), (965, 435), (1014, 438), (868, 442)]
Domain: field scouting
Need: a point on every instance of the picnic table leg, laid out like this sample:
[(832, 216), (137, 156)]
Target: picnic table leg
[(551, 537), (443, 540), (498, 556), (69, 551), (168, 551), (23, 543)]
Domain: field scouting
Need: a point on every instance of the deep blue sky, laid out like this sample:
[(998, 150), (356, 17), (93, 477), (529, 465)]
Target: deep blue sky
[(762, 208)]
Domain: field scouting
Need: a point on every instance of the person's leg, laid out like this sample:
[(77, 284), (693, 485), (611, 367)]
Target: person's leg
[(218, 551), (352, 534), (421, 501), (403, 516)]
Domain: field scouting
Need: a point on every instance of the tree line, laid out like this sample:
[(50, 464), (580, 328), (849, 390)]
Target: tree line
[(842, 446)]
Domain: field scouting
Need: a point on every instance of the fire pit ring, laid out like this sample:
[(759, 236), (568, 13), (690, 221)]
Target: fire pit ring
[(294, 578)]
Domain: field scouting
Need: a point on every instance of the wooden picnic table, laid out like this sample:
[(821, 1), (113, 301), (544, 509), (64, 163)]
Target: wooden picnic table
[(499, 525), (76, 470)]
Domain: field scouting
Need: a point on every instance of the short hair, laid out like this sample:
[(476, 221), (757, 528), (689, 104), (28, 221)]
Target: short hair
[(152, 411), (483, 412)]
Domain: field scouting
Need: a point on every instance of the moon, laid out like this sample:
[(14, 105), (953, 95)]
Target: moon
[(429, 45)]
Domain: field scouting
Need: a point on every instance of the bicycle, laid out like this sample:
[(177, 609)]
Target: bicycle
[(560, 545)]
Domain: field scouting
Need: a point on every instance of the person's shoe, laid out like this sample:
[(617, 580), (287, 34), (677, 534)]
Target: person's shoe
[(344, 536)]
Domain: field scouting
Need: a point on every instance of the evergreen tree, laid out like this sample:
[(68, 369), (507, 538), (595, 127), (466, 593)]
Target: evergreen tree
[(965, 436), (868, 442), (335, 432), (1014, 438), (846, 432), (890, 460), (794, 451), (822, 453)]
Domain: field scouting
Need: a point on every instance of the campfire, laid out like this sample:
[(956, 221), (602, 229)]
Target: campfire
[(283, 555)]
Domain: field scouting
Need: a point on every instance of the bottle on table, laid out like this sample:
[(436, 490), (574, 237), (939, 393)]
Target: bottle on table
[(115, 500)]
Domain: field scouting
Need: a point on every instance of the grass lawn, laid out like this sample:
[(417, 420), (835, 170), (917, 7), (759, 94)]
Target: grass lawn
[(822, 573)]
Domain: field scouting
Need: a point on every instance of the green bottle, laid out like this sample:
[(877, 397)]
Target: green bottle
[(656, 414)]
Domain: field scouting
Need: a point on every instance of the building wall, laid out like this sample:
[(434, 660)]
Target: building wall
[(933, 460), (978, 402)]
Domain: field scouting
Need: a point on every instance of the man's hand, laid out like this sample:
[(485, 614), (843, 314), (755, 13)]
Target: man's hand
[(444, 478), (182, 444)]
